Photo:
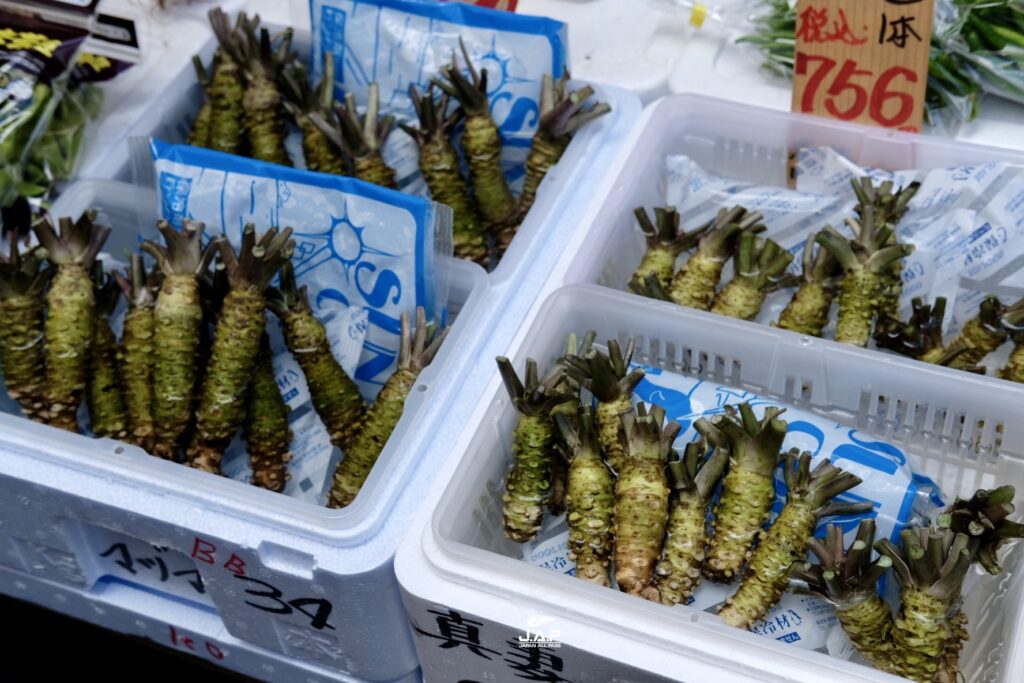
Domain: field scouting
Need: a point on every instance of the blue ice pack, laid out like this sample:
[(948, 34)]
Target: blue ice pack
[(356, 244), (398, 43)]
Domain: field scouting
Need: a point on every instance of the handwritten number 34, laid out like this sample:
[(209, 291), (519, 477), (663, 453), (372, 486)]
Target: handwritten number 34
[(272, 601), (843, 83)]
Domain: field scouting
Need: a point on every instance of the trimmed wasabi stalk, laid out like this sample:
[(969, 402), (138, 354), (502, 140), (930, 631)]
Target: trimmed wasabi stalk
[(71, 313), (105, 399), (481, 142), (642, 498), (849, 580), (760, 265), (176, 319), (263, 111), (135, 354), (360, 138), (984, 333), (303, 103), (266, 424), (695, 284), (528, 487), (561, 451), (240, 326), (920, 336), (609, 378), (226, 90), (808, 500), (807, 311), (334, 394), (748, 489), (22, 283), (590, 499), (562, 113), (199, 136), (889, 209), (439, 164), (864, 261), (664, 244), (1014, 368), (418, 347), (694, 478)]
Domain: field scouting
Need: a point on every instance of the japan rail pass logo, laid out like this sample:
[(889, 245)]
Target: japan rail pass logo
[(535, 639)]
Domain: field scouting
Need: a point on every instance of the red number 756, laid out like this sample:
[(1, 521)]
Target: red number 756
[(843, 82)]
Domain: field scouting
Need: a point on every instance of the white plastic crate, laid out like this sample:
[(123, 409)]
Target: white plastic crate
[(313, 584), (457, 570), (170, 117)]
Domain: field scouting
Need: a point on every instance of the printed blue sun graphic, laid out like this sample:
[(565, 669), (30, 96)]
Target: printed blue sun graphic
[(343, 242), (498, 76)]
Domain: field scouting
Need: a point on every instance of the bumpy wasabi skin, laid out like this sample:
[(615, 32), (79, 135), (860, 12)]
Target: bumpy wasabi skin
[(980, 336), (439, 164), (22, 283), (664, 243), (695, 284), (760, 264), (848, 579), (642, 499), (266, 424), (561, 115), (105, 398), (360, 138), (199, 136), (335, 396), (807, 311), (232, 357), (1014, 368), (590, 498), (136, 351), (262, 106), (609, 378), (748, 489), (417, 350), (176, 319), (694, 479), (481, 142), (71, 314), (808, 500), (226, 90)]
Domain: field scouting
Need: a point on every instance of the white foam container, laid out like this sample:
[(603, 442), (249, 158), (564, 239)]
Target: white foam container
[(962, 430), (169, 117), (67, 493)]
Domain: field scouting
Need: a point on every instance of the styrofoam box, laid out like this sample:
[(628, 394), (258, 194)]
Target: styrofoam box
[(292, 578), (457, 570), (170, 116)]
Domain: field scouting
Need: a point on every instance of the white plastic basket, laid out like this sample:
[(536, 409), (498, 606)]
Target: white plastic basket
[(170, 116), (72, 499), (961, 430)]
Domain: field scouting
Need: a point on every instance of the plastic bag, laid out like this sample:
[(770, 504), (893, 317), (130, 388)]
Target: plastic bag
[(985, 39), (398, 43)]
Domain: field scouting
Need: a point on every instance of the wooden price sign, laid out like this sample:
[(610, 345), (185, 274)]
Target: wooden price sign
[(863, 60)]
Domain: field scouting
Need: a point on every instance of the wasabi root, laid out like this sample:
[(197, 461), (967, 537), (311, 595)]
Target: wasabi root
[(335, 396), (71, 314), (590, 497), (418, 347), (984, 333), (136, 351), (694, 478), (481, 142), (266, 424), (303, 104), (807, 312), (232, 356), (664, 244), (809, 499), (227, 89), (360, 138), (695, 284), (848, 579), (105, 398), (920, 337), (760, 264), (748, 489), (642, 499), (561, 450), (22, 283), (177, 316), (864, 261), (439, 164), (1014, 368), (609, 378), (199, 136), (263, 110)]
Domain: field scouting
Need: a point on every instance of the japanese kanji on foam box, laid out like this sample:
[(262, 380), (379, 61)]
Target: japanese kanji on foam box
[(479, 603)]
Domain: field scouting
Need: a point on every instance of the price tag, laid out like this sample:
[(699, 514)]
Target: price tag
[(864, 61)]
